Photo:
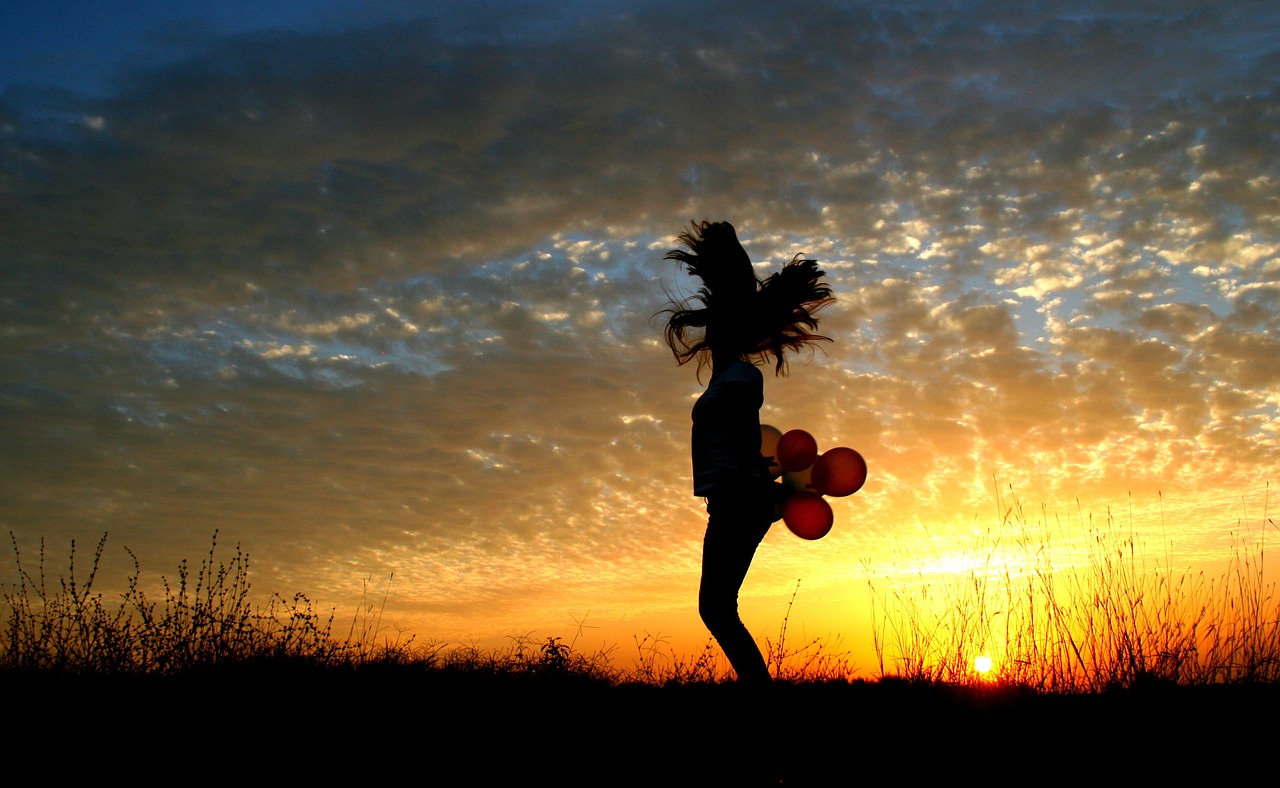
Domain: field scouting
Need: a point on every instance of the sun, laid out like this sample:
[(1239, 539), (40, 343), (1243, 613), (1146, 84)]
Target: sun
[(982, 664)]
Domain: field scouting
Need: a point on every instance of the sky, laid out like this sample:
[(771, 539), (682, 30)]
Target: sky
[(369, 288)]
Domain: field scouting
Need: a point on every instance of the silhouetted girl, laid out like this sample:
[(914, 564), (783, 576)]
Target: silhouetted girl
[(734, 322)]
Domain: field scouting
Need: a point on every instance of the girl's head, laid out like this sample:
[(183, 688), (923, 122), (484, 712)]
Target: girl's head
[(739, 315)]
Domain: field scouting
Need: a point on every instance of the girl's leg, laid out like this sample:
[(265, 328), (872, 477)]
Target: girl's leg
[(735, 525)]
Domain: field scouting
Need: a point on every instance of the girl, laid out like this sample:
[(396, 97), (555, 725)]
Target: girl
[(735, 322)]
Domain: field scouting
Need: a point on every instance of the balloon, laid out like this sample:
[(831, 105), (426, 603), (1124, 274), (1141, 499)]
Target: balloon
[(839, 472), (797, 450), (769, 437), (807, 515)]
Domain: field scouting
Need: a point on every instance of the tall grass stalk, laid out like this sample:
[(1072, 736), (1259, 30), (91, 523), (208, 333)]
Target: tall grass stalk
[(814, 659), (1114, 618), (204, 618), (656, 663)]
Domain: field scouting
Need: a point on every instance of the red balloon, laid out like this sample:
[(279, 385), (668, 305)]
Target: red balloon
[(839, 472), (807, 515), (769, 437), (797, 450)]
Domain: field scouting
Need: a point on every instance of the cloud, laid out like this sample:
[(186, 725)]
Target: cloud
[(381, 296), (267, 158)]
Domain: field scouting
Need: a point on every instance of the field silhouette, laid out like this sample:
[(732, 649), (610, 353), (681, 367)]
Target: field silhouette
[(1153, 676)]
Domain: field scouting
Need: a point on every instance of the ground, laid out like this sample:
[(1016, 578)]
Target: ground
[(451, 729)]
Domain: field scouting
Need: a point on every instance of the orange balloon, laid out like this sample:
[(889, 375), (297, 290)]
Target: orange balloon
[(769, 437), (797, 450), (839, 472), (807, 515)]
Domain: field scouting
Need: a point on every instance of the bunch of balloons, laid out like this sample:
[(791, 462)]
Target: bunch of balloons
[(808, 476)]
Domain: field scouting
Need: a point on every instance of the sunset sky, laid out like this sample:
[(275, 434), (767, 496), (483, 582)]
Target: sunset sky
[(370, 288)]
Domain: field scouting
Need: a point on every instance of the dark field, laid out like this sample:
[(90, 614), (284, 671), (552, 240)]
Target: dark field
[(202, 685), (294, 722)]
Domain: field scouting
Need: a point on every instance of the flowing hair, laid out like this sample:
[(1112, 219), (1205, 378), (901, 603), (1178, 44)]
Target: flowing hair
[(737, 312)]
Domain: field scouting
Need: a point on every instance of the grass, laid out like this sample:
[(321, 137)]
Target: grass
[(203, 620), (142, 687), (1054, 620), (206, 618), (813, 660), (1050, 620)]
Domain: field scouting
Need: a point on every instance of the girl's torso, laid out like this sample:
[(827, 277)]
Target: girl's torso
[(726, 429)]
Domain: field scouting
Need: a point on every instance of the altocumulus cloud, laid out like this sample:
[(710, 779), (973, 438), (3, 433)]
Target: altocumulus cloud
[(376, 298)]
